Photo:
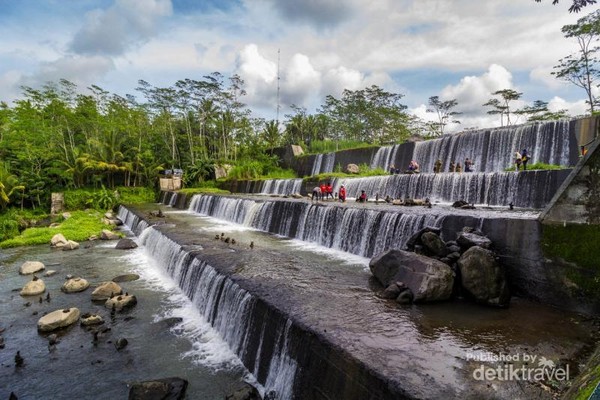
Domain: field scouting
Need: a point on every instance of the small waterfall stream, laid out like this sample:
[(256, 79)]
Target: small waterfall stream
[(323, 163), (531, 189), (281, 186), (226, 306), (360, 231)]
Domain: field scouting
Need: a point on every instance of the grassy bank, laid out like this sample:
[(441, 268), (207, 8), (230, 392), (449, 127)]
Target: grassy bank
[(578, 245), (30, 227), (79, 227)]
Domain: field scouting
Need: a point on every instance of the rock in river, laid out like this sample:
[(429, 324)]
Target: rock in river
[(75, 285), (33, 287), (483, 278), (31, 267), (58, 319), (105, 291), (427, 278)]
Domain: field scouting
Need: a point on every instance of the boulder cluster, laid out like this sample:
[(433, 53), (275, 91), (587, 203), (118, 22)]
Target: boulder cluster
[(431, 269)]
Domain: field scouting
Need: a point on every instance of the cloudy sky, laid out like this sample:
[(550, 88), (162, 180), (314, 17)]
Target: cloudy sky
[(462, 49)]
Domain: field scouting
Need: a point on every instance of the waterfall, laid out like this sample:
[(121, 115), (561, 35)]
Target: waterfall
[(360, 231), (492, 150), (531, 189), (384, 157), (323, 163), (228, 308), (173, 199), (281, 186), (136, 224)]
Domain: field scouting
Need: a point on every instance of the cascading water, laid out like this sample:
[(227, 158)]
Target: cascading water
[(363, 232), (323, 163), (384, 158), (533, 189), (281, 186), (223, 304), (136, 224), (493, 150)]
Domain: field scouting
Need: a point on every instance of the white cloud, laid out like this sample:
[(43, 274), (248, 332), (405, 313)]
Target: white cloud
[(80, 70), (473, 91), (259, 75), (115, 29)]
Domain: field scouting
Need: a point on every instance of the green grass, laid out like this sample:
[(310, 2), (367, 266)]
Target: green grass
[(577, 244), (203, 190), (538, 166), (364, 171), (105, 199), (79, 227), (329, 146)]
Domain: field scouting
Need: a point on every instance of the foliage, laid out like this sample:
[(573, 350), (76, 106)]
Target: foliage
[(538, 166), (104, 199), (576, 244), (200, 190), (576, 6), (370, 115), (539, 112), (364, 171), (329, 146), (80, 199), (445, 115), (79, 227), (582, 68), (502, 106)]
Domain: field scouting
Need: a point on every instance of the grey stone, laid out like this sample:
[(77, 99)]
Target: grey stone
[(467, 240), (428, 279), (126, 244), (483, 277), (31, 267), (434, 244), (126, 278), (391, 292), (58, 319), (160, 389)]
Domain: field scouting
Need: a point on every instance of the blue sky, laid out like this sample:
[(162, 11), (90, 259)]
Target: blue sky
[(461, 49)]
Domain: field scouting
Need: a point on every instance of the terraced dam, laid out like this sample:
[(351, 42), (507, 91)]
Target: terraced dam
[(295, 300)]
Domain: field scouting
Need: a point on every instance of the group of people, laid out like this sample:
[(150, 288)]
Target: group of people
[(521, 159), (324, 191)]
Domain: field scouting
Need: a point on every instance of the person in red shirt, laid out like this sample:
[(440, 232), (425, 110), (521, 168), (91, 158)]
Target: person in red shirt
[(329, 190), (342, 194), (323, 191)]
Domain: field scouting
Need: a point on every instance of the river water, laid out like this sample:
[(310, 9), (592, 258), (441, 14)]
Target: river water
[(427, 347), (78, 369)]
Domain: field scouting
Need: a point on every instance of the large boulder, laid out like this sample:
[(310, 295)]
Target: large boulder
[(108, 235), (483, 277), (467, 240), (75, 285), (434, 244), (352, 169), (58, 319), (415, 239), (105, 291), (58, 240), (126, 244), (31, 267), (121, 302), (427, 278), (126, 278), (70, 245), (33, 287), (168, 389)]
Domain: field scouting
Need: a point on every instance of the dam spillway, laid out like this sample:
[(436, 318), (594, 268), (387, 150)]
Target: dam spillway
[(308, 326)]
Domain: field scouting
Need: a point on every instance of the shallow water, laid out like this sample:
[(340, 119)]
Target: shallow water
[(79, 369), (424, 346)]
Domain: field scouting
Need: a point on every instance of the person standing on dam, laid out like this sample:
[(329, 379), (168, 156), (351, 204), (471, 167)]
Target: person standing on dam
[(342, 194), (524, 159), (316, 194), (518, 160)]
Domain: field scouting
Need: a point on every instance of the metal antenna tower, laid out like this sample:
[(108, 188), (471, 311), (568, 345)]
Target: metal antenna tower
[(278, 79)]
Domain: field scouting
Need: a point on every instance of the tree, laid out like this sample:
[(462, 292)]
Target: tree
[(582, 67), (539, 112), (502, 107), (576, 6), (443, 110)]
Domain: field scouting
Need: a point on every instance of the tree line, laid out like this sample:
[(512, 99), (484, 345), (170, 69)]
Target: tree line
[(56, 137)]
